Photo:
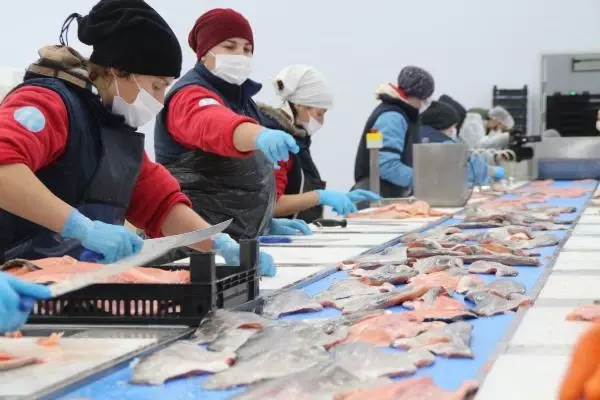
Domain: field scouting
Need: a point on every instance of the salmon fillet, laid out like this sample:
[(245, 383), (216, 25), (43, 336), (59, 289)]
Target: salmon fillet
[(589, 312), (410, 389), (8, 361), (418, 208)]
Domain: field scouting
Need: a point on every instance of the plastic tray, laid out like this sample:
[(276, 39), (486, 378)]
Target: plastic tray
[(159, 304)]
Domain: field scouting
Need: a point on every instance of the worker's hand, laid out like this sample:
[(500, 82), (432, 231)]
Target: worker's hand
[(112, 242), (582, 379), (276, 145), (16, 300), (284, 226), (340, 202), (362, 195), (498, 173), (229, 249), (266, 265)]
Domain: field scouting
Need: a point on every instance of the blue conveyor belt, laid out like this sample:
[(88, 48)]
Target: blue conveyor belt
[(448, 373)]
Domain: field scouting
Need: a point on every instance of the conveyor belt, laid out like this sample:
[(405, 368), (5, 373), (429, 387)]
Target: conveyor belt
[(489, 335)]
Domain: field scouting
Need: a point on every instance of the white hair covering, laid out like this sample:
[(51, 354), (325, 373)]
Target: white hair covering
[(304, 85)]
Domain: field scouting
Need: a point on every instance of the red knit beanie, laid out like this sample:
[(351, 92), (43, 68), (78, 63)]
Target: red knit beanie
[(216, 26)]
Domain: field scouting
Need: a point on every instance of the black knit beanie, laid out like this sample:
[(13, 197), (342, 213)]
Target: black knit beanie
[(131, 36), (439, 116), (458, 108)]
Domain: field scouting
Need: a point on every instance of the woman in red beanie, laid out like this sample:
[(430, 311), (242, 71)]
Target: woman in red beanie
[(209, 131)]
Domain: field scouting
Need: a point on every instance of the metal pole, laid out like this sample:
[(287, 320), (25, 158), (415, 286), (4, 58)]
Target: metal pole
[(374, 170)]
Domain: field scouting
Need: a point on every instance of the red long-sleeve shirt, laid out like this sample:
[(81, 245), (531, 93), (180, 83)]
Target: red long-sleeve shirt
[(198, 118), (281, 177), (155, 192)]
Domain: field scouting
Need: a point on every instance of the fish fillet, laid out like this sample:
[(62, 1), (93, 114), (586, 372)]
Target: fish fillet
[(448, 279), (383, 300), (181, 359), (437, 264), (450, 341), (347, 289), (289, 302), (231, 340), (506, 259), (491, 267), (384, 329), (505, 288), (392, 274), (436, 305), (589, 312), (268, 365), (410, 389), (219, 321)]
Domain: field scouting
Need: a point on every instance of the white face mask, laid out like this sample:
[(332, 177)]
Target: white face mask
[(452, 133), (598, 125), (143, 109), (424, 107), (312, 126), (232, 68)]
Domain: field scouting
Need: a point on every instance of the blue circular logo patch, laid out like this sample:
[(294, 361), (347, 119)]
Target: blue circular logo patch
[(31, 118)]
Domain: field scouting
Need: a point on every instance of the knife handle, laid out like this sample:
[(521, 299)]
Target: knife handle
[(325, 223), (90, 256)]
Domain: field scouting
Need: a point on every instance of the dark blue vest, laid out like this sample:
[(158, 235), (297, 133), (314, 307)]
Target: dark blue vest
[(361, 165), (220, 187), (432, 135), (96, 174)]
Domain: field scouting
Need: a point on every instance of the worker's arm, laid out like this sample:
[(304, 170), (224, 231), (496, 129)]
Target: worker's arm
[(198, 119), (289, 204), (393, 126), (33, 134), (159, 207)]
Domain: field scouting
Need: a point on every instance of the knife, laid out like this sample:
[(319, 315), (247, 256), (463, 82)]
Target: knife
[(294, 239), (155, 249), (323, 222)]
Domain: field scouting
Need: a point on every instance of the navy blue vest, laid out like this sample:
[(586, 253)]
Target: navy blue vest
[(220, 187), (432, 135), (96, 174), (361, 165)]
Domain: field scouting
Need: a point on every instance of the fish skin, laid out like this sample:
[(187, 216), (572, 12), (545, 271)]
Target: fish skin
[(505, 287), (348, 289), (383, 300), (488, 304), (180, 359), (506, 259), (289, 302), (231, 340), (491, 267), (436, 305), (456, 338), (320, 382), (437, 264), (469, 283), (422, 252), (267, 365), (220, 320), (392, 274)]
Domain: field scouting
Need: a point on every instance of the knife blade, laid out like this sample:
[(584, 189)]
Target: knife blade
[(157, 248)]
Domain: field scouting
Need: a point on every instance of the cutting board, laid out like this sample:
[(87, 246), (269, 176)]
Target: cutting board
[(585, 243), (68, 358)]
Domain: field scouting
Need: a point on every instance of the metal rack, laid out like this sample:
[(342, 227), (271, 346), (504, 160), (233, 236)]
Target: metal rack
[(515, 102)]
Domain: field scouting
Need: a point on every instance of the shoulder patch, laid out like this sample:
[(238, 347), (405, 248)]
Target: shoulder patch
[(31, 118), (208, 101)]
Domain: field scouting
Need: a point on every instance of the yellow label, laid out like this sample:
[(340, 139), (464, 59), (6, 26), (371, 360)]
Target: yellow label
[(374, 136)]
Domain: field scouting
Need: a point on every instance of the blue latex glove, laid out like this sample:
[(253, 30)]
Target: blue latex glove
[(229, 249), (112, 242), (276, 145), (343, 203), (499, 173), (16, 300), (284, 226), (362, 195)]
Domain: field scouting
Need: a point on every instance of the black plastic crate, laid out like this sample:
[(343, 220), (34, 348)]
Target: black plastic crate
[(159, 304), (515, 101)]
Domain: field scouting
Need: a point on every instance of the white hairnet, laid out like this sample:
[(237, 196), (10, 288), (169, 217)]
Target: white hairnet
[(301, 84), (500, 114), (472, 133)]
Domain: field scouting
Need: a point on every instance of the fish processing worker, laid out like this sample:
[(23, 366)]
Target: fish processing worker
[(487, 129), (210, 129), (305, 99), (71, 160), (439, 124), (397, 118)]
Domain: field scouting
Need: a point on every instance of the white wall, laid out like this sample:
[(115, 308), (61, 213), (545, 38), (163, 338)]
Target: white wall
[(468, 45)]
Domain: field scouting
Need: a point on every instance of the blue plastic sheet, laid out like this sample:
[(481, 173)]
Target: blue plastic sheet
[(448, 373)]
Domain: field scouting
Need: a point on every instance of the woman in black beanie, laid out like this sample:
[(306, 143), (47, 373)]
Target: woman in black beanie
[(71, 161)]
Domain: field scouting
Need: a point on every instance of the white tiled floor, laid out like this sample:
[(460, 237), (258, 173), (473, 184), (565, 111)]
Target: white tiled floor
[(590, 219), (576, 260), (571, 287), (546, 326), (583, 243), (524, 377)]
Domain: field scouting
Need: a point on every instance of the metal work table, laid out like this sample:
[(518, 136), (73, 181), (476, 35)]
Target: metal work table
[(537, 339)]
